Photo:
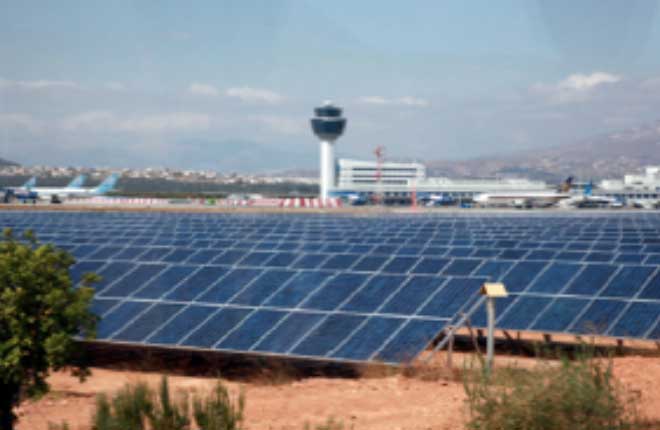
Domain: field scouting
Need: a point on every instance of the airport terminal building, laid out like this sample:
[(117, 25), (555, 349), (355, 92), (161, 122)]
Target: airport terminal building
[(399, 180)]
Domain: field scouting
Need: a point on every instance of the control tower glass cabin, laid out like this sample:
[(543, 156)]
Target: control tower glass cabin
[(327, 125)]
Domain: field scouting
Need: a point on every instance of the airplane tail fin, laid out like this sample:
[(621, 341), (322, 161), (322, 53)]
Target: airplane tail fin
[(77, 182), (567, 184), (30, 183), (588, 189), (108, 184)]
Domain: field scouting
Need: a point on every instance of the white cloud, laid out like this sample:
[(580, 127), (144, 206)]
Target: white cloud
[(281, 124), (576, 87), (37, 85), (400, 101), (374, 100), (199, 89), (105, 121), (257, 95), (19, 121), (582, 82)]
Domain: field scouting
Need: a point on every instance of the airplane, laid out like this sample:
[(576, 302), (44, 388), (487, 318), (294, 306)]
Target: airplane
[(645, 203), (526, 199), (23, 193), (78, 181), (56, 193), (352, 197), (589, 200), (433, 199)]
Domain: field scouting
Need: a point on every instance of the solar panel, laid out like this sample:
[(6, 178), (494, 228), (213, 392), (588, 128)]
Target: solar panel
[(353, 288)]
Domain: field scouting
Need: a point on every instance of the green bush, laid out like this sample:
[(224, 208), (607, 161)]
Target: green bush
[(137, 407), (128, 409), (218, 412), (330, 424), (581, 394), (166, 415), (41, 313)]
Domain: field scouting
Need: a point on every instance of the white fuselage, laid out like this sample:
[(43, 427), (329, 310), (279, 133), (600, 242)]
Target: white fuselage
[(63, 192), (514, 198)]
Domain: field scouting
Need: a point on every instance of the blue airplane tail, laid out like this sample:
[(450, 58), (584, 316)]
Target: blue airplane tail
[(30, 183), (588, 189), (108, 184), (77, 182)]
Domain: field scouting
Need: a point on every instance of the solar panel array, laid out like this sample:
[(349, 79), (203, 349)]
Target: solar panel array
[(351, 288)]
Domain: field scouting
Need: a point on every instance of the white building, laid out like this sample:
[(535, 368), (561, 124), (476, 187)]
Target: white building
[(634, 186), (401, 179)]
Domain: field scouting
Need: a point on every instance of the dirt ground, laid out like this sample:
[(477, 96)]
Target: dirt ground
[(368, 403)]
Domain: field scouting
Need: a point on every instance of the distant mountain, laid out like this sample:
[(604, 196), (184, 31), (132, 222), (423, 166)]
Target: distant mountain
[(242, 156), (5, 163), (602, 156)]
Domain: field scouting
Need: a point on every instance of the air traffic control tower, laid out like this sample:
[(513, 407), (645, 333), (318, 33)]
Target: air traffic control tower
[(328, 125)]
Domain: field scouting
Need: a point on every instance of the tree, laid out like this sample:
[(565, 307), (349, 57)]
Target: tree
[(41, 313)]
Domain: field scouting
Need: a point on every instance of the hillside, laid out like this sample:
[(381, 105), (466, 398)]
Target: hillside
[(5, 163), (606, 155)]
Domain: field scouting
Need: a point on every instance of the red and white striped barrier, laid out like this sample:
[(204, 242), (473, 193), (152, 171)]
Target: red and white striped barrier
[(299, 202), (116, 201)]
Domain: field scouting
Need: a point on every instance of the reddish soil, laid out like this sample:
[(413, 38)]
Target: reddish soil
[(368, 403)]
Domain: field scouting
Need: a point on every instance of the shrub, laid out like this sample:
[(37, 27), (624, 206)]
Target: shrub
[(218, 412), (581, 395), (166, 415), (330, 424), (137, 407), (128, 409), (41, 313)]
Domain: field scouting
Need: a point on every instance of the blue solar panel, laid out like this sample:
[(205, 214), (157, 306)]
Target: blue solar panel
[(215, 327), (263, 287), (197, 284), (298, 288), (598, 316), (142, 274), (327, 335), (356, 288), (181, 325), (334, 292), (592, 278), (289, 331), (140, 328), (560, 314), (412, 295)]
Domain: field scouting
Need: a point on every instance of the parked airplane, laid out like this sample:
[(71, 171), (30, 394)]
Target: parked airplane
[(589, 200), (23, 193), (435, 199), (526, 199), (77, 190), (645, 203)]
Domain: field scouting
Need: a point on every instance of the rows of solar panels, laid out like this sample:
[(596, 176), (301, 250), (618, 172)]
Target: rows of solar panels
[(355, 288)]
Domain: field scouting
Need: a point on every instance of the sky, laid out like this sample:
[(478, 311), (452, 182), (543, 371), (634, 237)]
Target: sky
[(231, 84)]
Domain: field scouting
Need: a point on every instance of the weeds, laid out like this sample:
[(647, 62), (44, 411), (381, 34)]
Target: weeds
[(581, 395), (330, 424), (137, 407), (218, 412)]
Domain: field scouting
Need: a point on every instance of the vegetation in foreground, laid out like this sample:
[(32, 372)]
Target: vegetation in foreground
[(41, 312), (579, 394), (138, 407)]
